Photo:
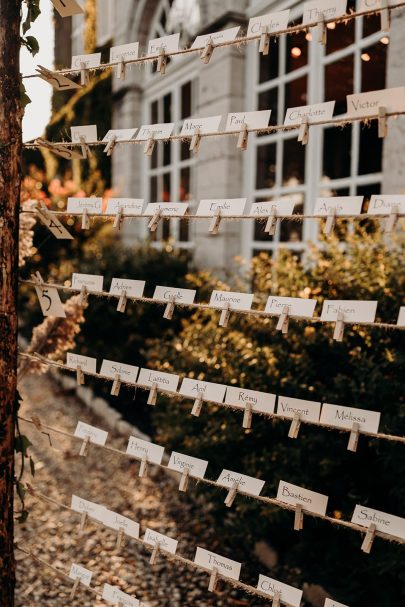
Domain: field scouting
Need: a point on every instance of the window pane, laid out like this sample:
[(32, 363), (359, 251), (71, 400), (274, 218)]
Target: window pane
[(186, 100), (166, 188), (293, 162), (370, 153), (373, 67), (368, 190), (167, 108), (339, 82), (337, 145), (340, 36), (291, 231), (153, 189), (167, 152), (184, 193), (268, 67), (266, 166), (371, 25), (154, 113), (268, 100), (296, 93), (297, 51)]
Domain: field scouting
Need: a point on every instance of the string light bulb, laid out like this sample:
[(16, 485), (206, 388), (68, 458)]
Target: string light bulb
[(385, 40), (296, 52), (365, 57), (308, 36)]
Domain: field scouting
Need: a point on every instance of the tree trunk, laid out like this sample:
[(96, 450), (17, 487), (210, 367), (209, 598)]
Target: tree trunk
[(10, 167)]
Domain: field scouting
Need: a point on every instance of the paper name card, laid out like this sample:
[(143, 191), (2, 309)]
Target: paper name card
[(288, 594), (382, 205), (117, 521), (128, 206), (86, 61), (253, 120), (50, 302), (92, 509), (78, 205), (281, 208), (353, 310), (308, 409), (180, 295), (119, 135), (340, 205), (297, 306), (115, 595), (167, 209), (53, 224), (236, 301), (180, 462), (169, 44), (209, 390), (273, 21), (247, 484), (92, 282), (124, 52), (96, 435), (329, 8), (165, 381), (227, 206), (368, 5), (401, 317), (81, 573), (141, 448), (216, 37), (309, 500), (85, 362), (387, 523), (367, 104), (210, 560), (204, 125), (318, 112), (110, 368), (67, 8), (88, 133), (157, 131), (332, 603), (345, 417), (262, 402), (152, 537), (133, 288)]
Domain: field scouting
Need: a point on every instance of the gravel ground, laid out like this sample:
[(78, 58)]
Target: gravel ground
[(111, 480)]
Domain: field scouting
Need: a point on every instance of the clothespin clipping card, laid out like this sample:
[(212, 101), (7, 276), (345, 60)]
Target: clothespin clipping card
[(330, 221), (225, 314), (84, 74), (84, 147), (150, 145), (153, 394), (79, 376), (195, 141), (185, 477), (303, 132), (339, 327), (162, 62), (385, 16), (230, 498), (155, 553), (110, 146), (382, 122), (283, 321), (215, 223), (115, 389), (247, 416), (169, 310), (298, 518), (369, 538), (392, 219), (196, 410), (83, 296), (118, 219), (276, 599), (243, 137), (120, 538), (143, 468), (154, 222), (37, 422), (121, 69), (264, 45), (85, 220), (295, 425), (213, 580), (321, 29), (122, 302), (271, 223), (74, 589), (83, 520), (84, 449), (207, 51), (354, 437)]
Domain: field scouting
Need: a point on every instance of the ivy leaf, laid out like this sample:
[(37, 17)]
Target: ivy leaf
[(32, 44), (24, 99), (21, 490), (32, 14), (21, 444), (32, 466), (23, 517)]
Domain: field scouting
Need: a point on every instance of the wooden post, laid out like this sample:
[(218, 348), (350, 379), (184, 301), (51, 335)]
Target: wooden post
[(10, 170)]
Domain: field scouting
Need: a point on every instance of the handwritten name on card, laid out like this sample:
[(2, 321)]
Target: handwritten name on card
[(86, 61), (289, 594), (308, 409), (329, 8), (169, 44), (128, 206), (167, 209), (318, 112), (345, 417), (139, 448), (280, 207), (92, 509), (120, 135), (96, 435), (115, 595), (124, 52), (382, 204), (262, 402), (310, 500), (247, 484), (78, 205), (50, 302), (332, 603), (204, 125), (88, 133), (297, 306), (209, 560), (209, 390), (180, 462), (367, 5), (227, 206), (133, 288), (117, 521), (216, 37), (180, 295), (401, 317), (92, 282), (341, 205), (85, 362), (273, 21), (387, 523), (253, 120), (236, 301), (157, 131), (354, 311), (367, 104), (110, 368), (165, 381), (81, 573), (67, 8), (152, 537)]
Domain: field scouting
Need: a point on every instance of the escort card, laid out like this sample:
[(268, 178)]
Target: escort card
[(67, 8), (115, 595), (248, 484), (237, 301), (169, 44), (216, 37), (166, 208), (227, 206), (332, 603), (289, 594), (264, 209), (387, 523), (117, 521), (89, 61), (367, 104), (92, 282), (180, 295), (273, 21), (401, 317), (110, 368), (139, 448), (210, 560), (128, 206), (367, 5), (354, 311), (308, 409), (329, 8), (205, 125), (53, 224), (210, 391), (382, 205), (120, 135), (77, 205), (157, 131), (50, 302), (152, 537), (310, 500), (96, 436), (133, 288), (81, 573), (180, 462), (297, 306), (165, 381), (342, 205), (253, 120), (92, 509), (58, 81), (262, 402), (345, 417), (85, 362), (88, 132), (318, 112), (124, 52)]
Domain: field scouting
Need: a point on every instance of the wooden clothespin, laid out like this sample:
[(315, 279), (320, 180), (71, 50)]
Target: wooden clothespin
[(74, 589), (110, 146), (264, 45), (283, 320), (30, 489), (84, 449), (392, 219), (243, 137), (37, 422), (122, 302), (162, 62), (271, 223), (155, 553), (385, 16), (185, 477), (196, 410), (369, 538), (120, 538), (321, 29), (153, 394), (247, 416), (354, 437), (79, 376), (168, 313), (83, 520), (295, 425), (84, 147), (85, 220), (37, 278), (195, 141), (84, 74), (339, 327), (143, 468), (121, 69), (225, 314), (154, 222), (115, 389), (276, 599), (230, 498), (213, 580), (303, 133), (118, 219), (215, 223), (382, 122), (83, 296), (330, 222), (207, 51), (298, 518), (150, 145)]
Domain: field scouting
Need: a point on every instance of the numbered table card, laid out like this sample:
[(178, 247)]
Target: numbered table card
[(50, 302), (196, 467), (90, 508), (340, 205), (92, 282), (281, 208), (85, 362), (309, 500), (274, 22), (166, 209), (165, 381), (253, 120), (53, 224), (345, 417), (86, 61), (58, 81), (81, 573), (367, 104), (330, 9), (91, 205), (157, 131), (401, 317), (185, 296), (67, 8), (118, 522), (210, 560), (309, 410), (288, 594), (210, 391), (115, 595), (317, 112), (382, 205), (133, 288), (96, 436), (127, 373), (166, 543), (124, 52), (261, 402), (236, 301), (247, 484), (140, 448), (297, 306), (216, 37), (227, 206), (119, 135), (353, 310), (167, 44), (332, 603), (387, 523), (128, 206)]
